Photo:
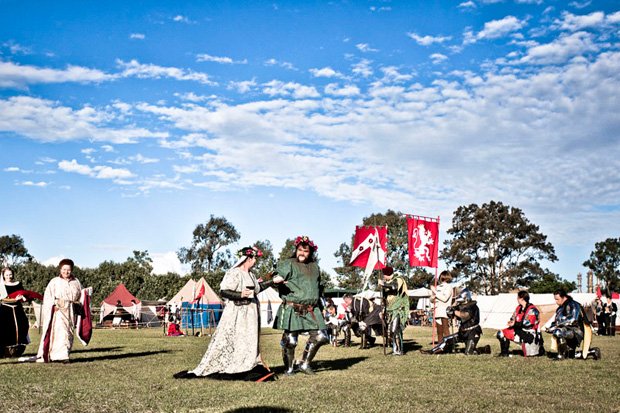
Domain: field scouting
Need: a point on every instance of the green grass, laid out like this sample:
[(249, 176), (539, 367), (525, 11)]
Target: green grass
[(131, 371)]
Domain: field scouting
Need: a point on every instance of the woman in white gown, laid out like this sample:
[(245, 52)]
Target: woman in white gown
[(61, 302), (234, 347)]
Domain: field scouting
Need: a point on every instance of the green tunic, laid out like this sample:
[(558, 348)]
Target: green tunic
[(303, 287), (398, 304)]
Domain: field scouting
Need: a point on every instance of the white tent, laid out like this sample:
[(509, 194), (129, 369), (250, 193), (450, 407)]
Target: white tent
[(419, 293), (191, 290), (496, 310), (268, 298)]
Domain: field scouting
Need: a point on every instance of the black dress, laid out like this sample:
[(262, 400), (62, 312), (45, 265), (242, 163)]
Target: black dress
[(13, 325)]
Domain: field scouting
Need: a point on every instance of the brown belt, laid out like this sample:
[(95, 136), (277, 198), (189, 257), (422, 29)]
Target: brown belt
[(302, 309)]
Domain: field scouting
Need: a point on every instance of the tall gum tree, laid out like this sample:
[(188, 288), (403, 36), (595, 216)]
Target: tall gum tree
[(207, 240), (605, 262), (496, 247)]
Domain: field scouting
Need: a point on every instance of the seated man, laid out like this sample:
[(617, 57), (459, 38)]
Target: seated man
[(365, 316), (334, 323), (570, 328), (523, 328), (466, 310)]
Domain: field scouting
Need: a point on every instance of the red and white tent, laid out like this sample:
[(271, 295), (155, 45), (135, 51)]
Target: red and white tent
[(127, 301)]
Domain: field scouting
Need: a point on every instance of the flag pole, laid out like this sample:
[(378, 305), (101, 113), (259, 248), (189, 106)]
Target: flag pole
[(436, 278)]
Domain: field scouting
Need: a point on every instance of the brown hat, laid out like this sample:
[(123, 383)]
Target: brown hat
[(66, 261), (387, 271)]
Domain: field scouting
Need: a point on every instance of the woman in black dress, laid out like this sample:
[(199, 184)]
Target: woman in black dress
[(13, 320)]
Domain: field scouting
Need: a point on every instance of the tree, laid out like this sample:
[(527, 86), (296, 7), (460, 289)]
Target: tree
[(605, 262), (420, 277), (12, 250), (287, 250), (496, 247), (143, 260), (267, 262), (207, 240), (549, 283)]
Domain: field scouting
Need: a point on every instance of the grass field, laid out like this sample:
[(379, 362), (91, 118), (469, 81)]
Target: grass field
[(131, 371)]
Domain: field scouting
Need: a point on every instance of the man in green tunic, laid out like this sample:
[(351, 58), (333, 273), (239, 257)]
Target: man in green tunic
[(301, 305), (394, 290)]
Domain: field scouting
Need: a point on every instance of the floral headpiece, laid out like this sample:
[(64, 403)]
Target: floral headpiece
[(249, 252), (304, 239)]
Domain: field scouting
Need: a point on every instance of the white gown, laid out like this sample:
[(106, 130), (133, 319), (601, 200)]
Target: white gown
[(61, 293), (234, 347)]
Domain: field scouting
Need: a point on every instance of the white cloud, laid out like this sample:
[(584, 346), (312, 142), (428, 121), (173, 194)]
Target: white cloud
[(46, 121), (74, 167), (181, 19), (134, 68), (296, 90), (11, 169), (580, 5), (380, 9), (218, 59), (614, 17), (519, 138), (467, 5), (164, 262), (143, 159), (495, 29), (391, 74), (16, 48), (335, 90), (137, 36), (365, 47), (575, 23), (40, 184), (192, 97), (244, 86), (99, 172), (53, 261), (14, 75), (107, 148), (363, 68), (325, 72), (428, 40), (560, 50), (438, 58), (274, 62)]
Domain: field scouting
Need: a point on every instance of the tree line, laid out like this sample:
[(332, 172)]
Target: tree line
[(492, 248)]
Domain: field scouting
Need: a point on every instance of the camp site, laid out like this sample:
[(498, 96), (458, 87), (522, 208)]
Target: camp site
[(309, 206)]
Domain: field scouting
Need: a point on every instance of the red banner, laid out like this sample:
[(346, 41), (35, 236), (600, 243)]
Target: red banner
[(369, 240), (423, 235), (200, 294)]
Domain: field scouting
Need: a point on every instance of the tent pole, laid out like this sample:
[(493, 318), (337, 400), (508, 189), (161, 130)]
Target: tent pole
[(202, 316), (434, 309)]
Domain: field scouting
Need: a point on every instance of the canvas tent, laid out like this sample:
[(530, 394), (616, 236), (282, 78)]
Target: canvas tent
[(128, 303), (270, 301), (496, 310), (199, 304)]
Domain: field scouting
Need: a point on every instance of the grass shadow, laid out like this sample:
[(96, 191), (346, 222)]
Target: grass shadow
[(98, 350), (119, 356), (258, 409), (338, 364)]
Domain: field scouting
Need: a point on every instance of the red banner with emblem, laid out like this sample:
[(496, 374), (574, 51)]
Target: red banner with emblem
[(369, 243), (423, 236)]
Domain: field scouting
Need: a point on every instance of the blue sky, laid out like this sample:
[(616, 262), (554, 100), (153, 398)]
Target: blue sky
[(123, 125)]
